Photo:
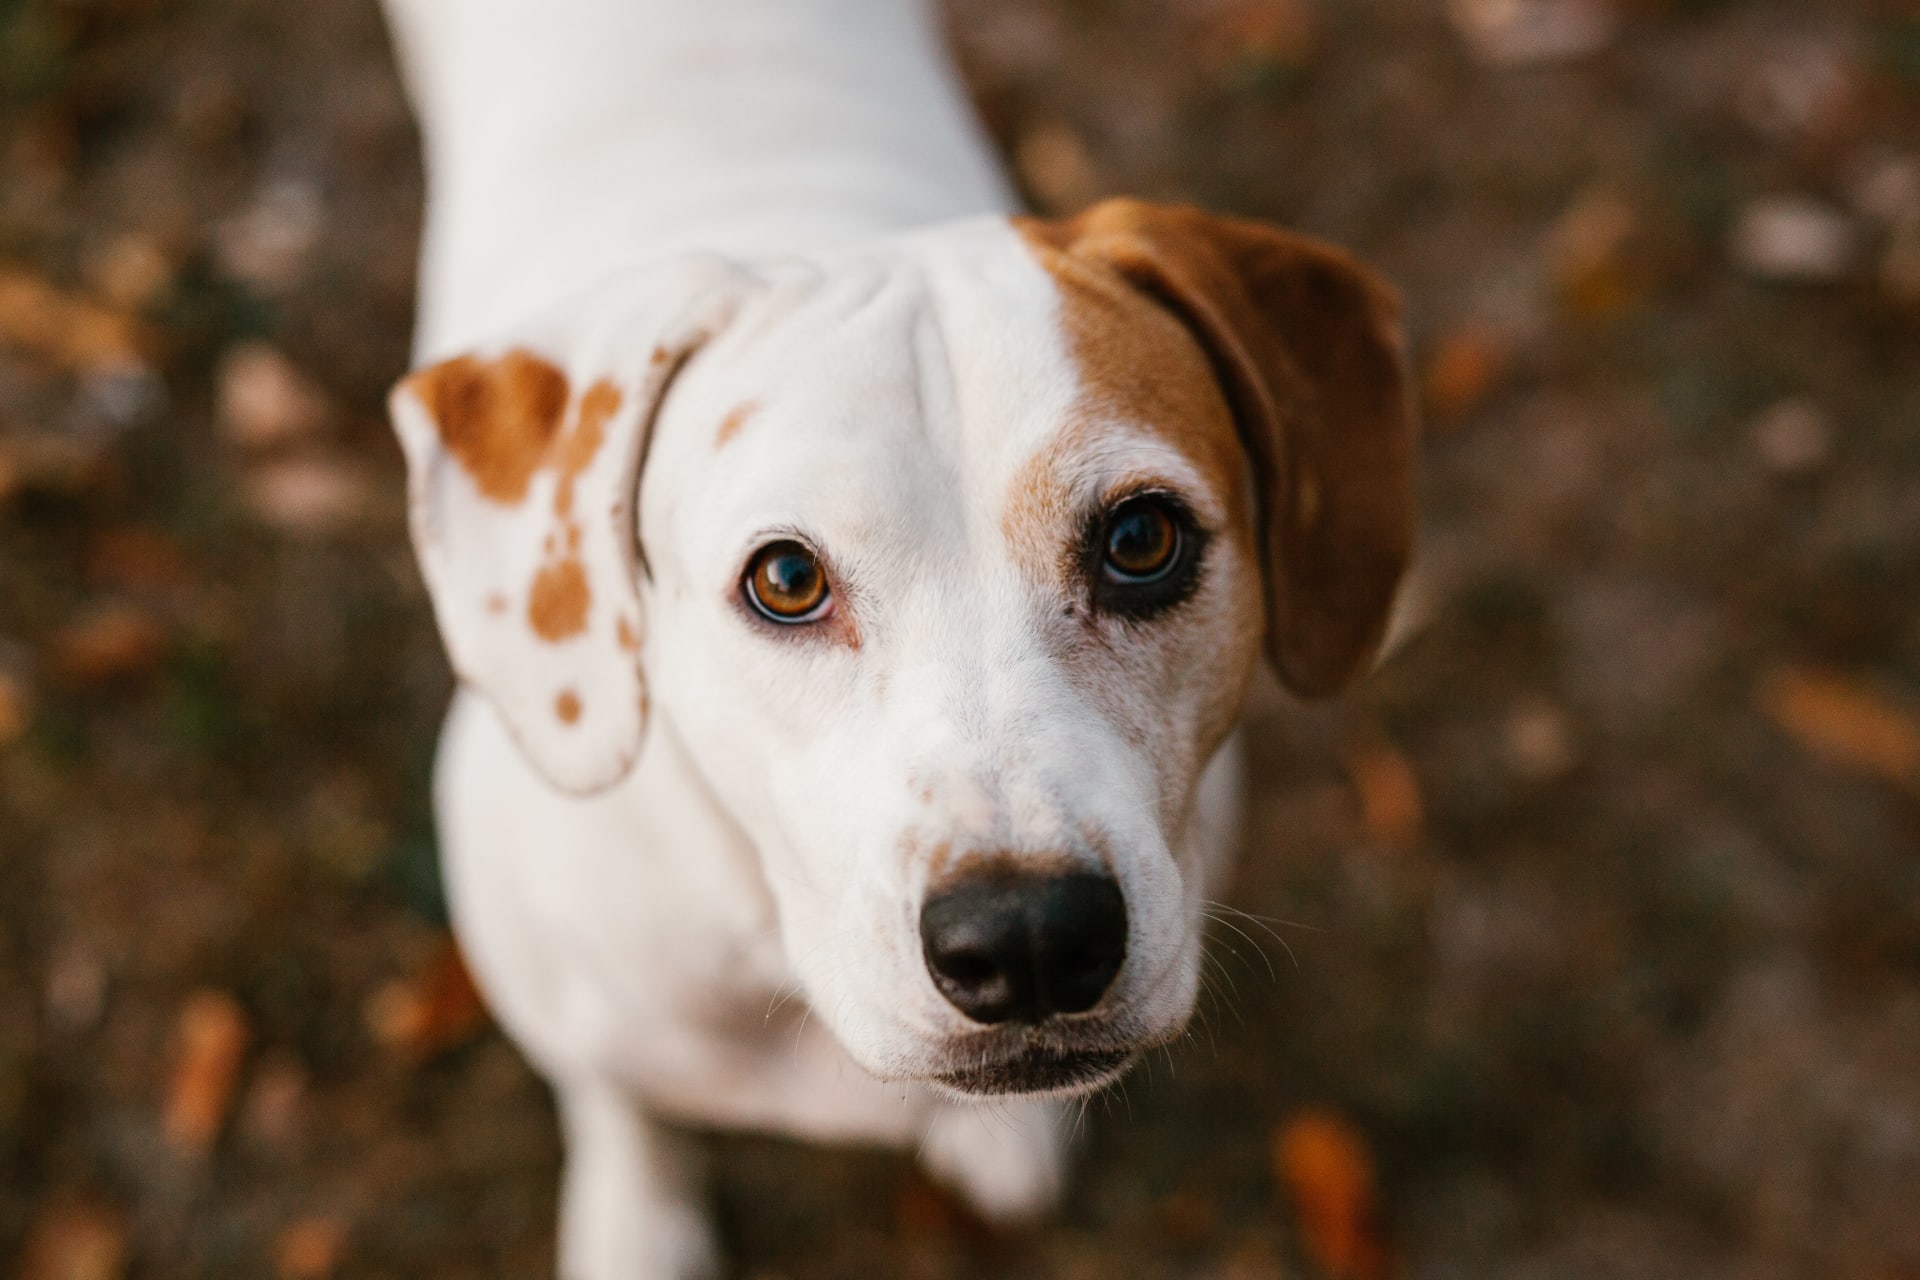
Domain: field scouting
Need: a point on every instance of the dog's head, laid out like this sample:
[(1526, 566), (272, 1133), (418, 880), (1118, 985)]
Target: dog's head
[(946, 564)]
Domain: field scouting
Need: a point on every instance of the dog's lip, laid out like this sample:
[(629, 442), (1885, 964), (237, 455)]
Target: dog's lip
[(1038, 1071)]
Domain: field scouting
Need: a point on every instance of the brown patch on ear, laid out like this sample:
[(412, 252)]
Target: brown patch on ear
[(557, 603), (735, 419), (1306, 345), (496, 417), (575, 453), (567, 707)]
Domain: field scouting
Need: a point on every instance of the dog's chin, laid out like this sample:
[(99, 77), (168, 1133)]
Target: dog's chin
[(1036, 1073)]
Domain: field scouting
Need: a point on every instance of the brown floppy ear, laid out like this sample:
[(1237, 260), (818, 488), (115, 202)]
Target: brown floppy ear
[(523, 462), (1306, 344)]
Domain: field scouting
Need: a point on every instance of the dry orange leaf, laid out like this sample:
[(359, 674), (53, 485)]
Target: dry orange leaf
[(310, 1249), (210, 1041), (1388, 789), (16, 709), (139, 559), (435, 1010), (76, 1242), (1327, 1170), (108, 642), (1465, 370), (1838, 717), (72, 332), (1283, 30), (1591, 252)]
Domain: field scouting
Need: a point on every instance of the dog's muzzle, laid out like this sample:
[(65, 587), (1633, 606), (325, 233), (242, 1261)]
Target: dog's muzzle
[(1024, 957)]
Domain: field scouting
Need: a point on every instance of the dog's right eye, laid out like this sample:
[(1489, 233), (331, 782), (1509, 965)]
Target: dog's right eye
[(785, 584)]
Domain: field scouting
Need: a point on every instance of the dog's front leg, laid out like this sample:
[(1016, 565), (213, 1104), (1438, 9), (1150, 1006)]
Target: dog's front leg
[(630, 1203), (1007, 1160)]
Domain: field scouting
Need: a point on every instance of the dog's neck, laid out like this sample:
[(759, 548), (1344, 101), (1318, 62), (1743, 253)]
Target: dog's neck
[(566, 139)]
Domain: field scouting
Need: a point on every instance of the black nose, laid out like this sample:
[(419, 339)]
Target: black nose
[(1012, 948)]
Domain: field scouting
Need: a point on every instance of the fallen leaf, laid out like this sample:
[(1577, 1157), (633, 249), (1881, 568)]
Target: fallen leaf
[(1054, 163), (1236, 33), (133, 272), (210, 1041), (16, 709), (1467, 367), (264, 399), (275, 1108), (76, 1242), (1388, 789), (269, 243), (1840, 718), (310, 1249), (76, 987), (1793, 437), (1187, 1218), (1252, 1261), (1520, 33), (1899, 273), (309, 496), (106, 644), (433, 1010), (1591, 253), (1324, 1164), (924, 1211), (1540, 744), (1794, 239), (70, 331), (49, 462), (139, 559)]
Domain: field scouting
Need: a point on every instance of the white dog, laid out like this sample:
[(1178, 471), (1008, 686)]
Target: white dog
[(854, 586)]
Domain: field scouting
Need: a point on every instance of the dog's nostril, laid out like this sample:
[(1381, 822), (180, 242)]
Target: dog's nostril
[(1015, 948), (969, 966)]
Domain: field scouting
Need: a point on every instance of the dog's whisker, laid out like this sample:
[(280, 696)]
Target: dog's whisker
[(1265, 924), (1257, 948)]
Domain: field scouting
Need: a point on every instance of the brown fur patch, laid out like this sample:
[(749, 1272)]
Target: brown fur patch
[(557, 604), (567, 707), (1138, 366), (625, 633), (735, 419), (1305, 344), (576, 452), (496, 417)]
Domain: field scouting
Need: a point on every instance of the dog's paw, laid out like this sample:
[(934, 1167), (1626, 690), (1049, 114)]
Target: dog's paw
[(630, 1203), (1008, 1162), (658, 1241)]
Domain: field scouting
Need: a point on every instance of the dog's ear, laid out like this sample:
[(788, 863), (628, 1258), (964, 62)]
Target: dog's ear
[(523, 464), (1307, 346)]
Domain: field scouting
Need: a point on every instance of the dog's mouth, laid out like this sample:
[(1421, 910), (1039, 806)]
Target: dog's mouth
[(1038, 1071)]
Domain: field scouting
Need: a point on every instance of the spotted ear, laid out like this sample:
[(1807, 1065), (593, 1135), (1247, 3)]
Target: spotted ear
[(523, 466), (1306, 344)]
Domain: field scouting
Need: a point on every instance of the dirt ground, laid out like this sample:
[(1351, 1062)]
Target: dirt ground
[(1605, 945)]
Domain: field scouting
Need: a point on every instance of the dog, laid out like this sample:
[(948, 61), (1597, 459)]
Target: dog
[(853, 584)]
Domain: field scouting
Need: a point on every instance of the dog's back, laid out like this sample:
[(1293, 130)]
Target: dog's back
[(566, 138)]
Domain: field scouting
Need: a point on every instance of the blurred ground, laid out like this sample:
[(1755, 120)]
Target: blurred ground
[(1607, 959)]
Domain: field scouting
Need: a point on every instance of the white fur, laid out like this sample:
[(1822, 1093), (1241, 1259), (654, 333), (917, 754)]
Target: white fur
[(727, 933)]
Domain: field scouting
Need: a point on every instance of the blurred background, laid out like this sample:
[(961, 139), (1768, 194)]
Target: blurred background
[(1588, 937)]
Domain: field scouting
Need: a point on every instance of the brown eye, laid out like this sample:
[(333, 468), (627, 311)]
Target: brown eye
[(1142, 543), (786, 584)]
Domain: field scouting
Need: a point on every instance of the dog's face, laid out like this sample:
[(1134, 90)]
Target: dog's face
[(953, 560)]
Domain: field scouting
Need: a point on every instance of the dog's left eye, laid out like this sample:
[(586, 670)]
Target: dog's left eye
[(785, 584), (1145, 555)]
